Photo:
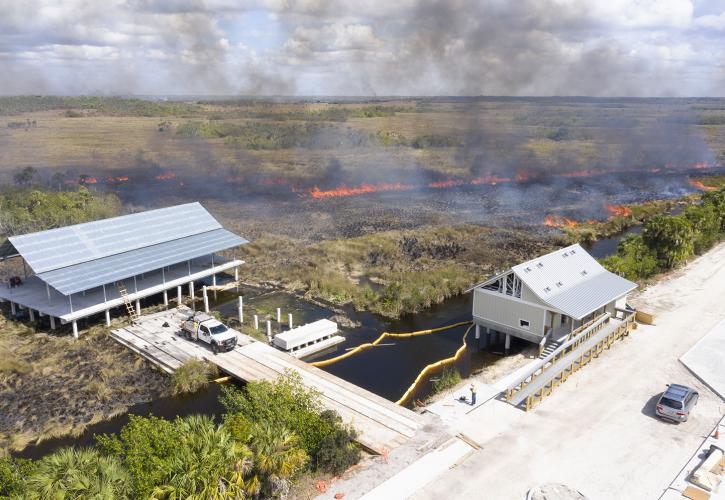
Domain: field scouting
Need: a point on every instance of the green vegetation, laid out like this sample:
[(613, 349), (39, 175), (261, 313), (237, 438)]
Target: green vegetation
[(255, 453), (448, 379), (392, 272), (712, 119), (113, 106), (271, 136), (287, 404), (712, 181), (668, 241), (29, 209), (193, 375), (634, 215), (77, 473)]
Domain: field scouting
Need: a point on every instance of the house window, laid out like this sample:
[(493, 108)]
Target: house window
[(524, 324)]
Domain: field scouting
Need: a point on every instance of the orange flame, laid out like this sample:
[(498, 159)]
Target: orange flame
[(559, 221), (618, 210), (166, 176), (317, 193), (699, 185), (112, 180), (446, 184)]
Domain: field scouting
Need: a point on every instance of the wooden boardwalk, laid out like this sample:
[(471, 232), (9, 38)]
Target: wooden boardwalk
[(381, 424)]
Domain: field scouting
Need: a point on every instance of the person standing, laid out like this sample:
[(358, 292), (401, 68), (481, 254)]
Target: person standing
[(473, 394)]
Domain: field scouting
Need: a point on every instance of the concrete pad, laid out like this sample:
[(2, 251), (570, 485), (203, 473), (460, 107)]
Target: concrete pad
[(421, 472), (705, 359)]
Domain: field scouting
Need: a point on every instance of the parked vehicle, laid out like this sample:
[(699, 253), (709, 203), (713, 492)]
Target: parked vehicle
[(676, 403), (205, 328)]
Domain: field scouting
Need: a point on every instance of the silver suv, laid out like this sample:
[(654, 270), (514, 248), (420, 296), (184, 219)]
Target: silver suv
[(676, 403)]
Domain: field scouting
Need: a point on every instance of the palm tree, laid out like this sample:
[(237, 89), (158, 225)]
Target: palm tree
[(278, 457), (208, 464), (80, 474)]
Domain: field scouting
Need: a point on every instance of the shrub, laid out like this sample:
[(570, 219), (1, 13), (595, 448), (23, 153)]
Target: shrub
[(705, 224), (147, 446), (633, 260), (449, 378), (671, 237), (193, 375), (78, 473), (337, 451), (13, 476), (286, 404)]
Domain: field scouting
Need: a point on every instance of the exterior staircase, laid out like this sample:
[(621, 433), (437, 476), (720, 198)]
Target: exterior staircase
[(129, 306), (551, 346)]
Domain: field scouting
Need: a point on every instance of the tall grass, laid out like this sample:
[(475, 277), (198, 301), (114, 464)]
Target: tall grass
[(193, 375)]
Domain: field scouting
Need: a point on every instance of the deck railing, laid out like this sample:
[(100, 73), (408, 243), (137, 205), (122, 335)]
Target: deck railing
[(555, 372)]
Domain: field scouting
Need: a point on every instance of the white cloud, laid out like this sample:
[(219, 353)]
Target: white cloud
[(598, 47)]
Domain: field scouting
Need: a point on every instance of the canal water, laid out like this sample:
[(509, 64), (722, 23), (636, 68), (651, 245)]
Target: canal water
[(387, 370)]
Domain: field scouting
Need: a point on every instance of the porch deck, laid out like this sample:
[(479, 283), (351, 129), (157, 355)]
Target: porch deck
[(33, 294)]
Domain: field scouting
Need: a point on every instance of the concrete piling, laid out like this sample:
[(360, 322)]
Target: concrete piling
[(241, 310), (289, 320), (108, 318), (75, 329), (256, 322), (166, 298), (52, 323), (507, 345), (279, 315), (12, 308), (138, 307), (269, 330), (178, 296), (206, 299), (31, 314)]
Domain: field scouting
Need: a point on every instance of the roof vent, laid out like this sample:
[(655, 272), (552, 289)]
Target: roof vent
[(527, 269), (559, 284), (540, 264), (584, 272), (565, 254), (572, 250), (547, 289)]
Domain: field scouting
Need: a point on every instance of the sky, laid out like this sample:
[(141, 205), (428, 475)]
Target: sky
[(643, 48)]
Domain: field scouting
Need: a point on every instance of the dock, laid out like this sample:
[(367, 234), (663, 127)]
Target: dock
[(381, 424)]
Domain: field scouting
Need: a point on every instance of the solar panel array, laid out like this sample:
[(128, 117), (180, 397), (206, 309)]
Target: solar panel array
[(80, 257), (66, 246)]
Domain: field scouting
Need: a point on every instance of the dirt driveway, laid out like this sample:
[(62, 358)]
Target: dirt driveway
[(597, 432)]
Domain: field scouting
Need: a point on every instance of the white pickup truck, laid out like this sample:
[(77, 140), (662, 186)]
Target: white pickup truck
[(201, 326)]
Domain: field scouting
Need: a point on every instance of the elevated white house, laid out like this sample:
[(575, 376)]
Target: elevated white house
[(547, 297), (77, 271)]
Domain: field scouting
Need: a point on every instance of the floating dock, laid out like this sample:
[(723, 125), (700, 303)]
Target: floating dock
[(308, 339), (382, 425)]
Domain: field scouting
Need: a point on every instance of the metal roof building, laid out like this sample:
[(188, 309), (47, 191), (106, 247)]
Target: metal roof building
[(80, 270), (549, 295)]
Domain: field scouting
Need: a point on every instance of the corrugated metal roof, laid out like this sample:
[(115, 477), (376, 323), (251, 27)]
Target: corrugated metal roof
[(71, 245), (95, 273), (572, 281)]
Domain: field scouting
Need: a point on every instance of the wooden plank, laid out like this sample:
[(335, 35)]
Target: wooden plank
[(381, 424), (593, 346)]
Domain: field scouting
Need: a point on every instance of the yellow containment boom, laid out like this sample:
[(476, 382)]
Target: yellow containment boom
[(363, 347)]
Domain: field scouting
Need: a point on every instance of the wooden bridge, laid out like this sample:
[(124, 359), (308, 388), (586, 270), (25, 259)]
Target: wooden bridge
[(381, 424)]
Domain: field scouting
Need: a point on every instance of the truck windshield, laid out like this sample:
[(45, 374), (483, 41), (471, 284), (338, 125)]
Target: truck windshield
[(217, 329)]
